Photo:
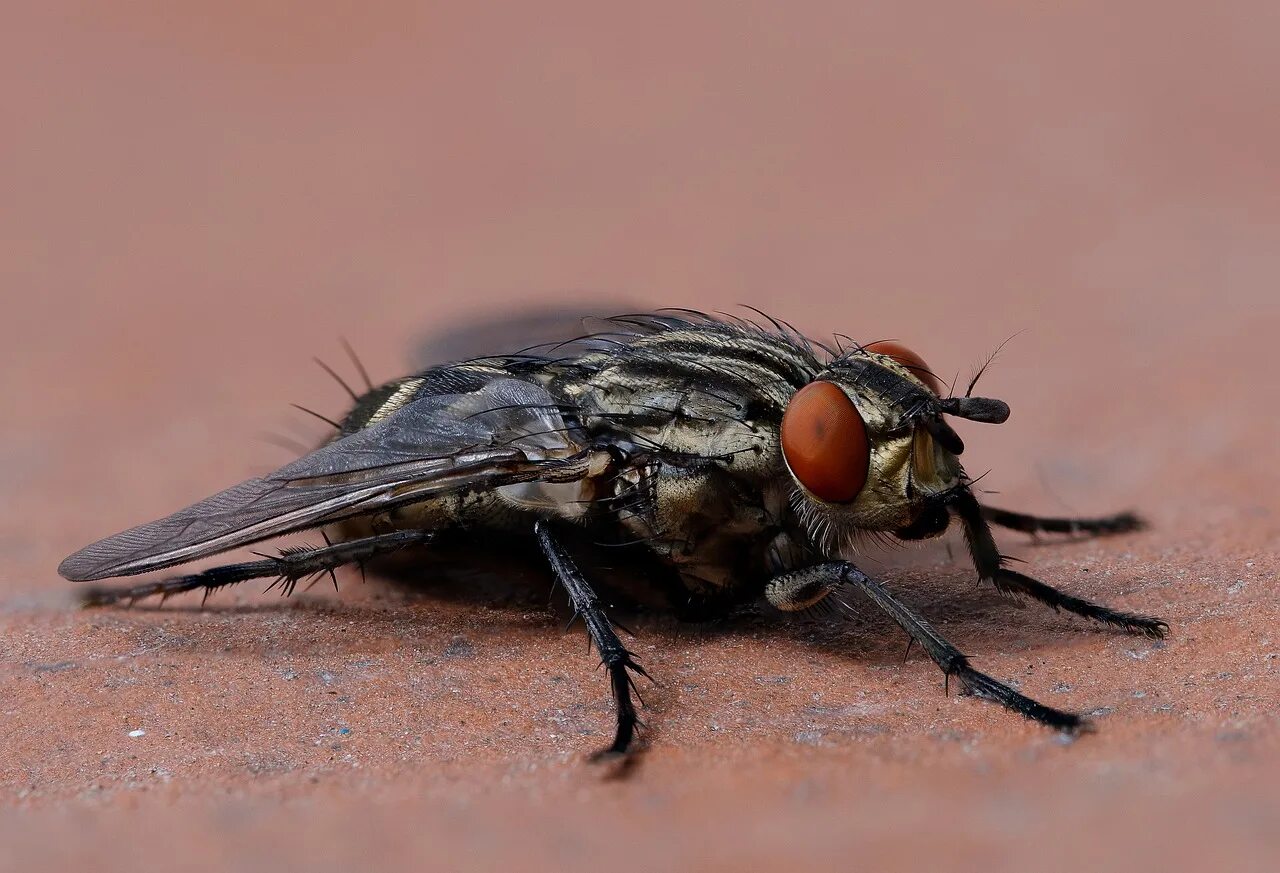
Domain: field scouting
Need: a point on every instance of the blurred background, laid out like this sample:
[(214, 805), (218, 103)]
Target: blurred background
[(196, 198)]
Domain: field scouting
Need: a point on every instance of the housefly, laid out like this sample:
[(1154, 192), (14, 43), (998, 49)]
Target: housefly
[(749, 460)]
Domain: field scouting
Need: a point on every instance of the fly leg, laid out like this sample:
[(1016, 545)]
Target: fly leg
[(613, 655), (287, 568), (1122, 522), (990, 565), (801, 589), (833, 575)]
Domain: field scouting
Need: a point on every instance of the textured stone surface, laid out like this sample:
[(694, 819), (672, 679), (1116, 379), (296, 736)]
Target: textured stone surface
[(197, 203)]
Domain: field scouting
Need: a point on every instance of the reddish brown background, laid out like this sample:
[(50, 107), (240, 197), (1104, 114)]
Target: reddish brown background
[(196, 201)]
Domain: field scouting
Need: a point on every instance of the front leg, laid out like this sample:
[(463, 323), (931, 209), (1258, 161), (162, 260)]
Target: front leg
[(805, 587), (801, 589), (990, 566), (1106, 525), (615, 657)]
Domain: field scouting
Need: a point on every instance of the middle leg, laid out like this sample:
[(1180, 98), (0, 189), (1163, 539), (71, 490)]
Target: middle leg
[(613, 654)]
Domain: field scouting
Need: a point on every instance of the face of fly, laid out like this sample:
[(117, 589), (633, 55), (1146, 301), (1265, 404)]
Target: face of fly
[(868, 448)]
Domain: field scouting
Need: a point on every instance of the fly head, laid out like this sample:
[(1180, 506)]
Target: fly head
[(869, 450)]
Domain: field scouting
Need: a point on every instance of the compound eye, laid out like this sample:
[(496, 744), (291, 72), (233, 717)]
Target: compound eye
[(908, 359), (825, 442)]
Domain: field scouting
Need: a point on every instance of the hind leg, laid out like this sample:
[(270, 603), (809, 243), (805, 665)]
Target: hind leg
[(288, 568)]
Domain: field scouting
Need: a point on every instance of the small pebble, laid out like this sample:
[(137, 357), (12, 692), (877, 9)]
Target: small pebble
[(138, 733)]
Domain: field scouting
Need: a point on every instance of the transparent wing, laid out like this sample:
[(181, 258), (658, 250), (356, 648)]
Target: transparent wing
[(505, 432)]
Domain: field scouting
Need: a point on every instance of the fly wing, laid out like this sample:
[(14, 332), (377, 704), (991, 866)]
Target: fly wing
[(505, 432)]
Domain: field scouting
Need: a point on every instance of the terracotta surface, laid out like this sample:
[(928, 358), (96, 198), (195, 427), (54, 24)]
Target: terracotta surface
[(196, 202)]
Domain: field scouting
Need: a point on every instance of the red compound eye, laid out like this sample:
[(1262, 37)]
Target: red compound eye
[(825, 442), (910, 360)]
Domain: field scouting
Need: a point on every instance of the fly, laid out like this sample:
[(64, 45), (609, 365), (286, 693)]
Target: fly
[(749, 460)]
